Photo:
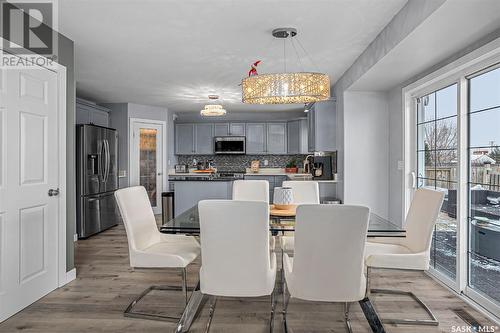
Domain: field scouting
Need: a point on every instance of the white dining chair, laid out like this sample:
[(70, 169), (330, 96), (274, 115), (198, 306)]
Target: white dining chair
[(251, 190), (236, 261), (304, 192), (411, 252), (148, 248), (328, 263)]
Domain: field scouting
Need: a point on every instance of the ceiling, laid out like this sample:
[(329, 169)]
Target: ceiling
[(452, 27), (175, 53)]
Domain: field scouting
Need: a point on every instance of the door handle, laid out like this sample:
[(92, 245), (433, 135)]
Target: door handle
[(413, 179), (53, 192)]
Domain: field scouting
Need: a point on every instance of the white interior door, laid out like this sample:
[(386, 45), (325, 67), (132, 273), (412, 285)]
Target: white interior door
[(29, 168), (146, 167)]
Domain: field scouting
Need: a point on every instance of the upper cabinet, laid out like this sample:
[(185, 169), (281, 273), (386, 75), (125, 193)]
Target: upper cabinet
[(204, 139), (322, 121), (237, 129), (276, 138), (226, 129), (194, 139), (262, 138), (256, 138), (221, 129), (90, 113), (184, 139), (297, 136)]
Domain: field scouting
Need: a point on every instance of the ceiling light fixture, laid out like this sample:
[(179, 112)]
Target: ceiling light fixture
[(213, 110), (286, 88)]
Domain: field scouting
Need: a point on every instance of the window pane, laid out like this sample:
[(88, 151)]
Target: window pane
[(426, 109), (147, 162), (485, 91), (444, 247), (446, 133), (426, 164), (485, 128), (446, 165), (446, 102), (427, 183), (484, 185), (425, 135), (485, 166)]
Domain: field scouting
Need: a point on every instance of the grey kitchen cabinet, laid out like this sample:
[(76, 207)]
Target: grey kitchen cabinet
[(184, 139), (221, 129), (256, 138), (276, 138), (90, 113), (237, 129), (204, 137), (297, 136), (225, 129), (322, 122), (189, 193)]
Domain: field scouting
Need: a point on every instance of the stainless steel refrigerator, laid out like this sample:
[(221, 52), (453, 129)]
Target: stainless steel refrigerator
[(97, 179)]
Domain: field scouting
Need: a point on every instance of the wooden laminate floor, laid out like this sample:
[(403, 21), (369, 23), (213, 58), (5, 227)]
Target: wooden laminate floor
[(105, 285)]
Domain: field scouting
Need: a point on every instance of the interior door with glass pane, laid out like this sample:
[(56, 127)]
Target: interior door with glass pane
[(146, 167), (484, 186), (437, 168)]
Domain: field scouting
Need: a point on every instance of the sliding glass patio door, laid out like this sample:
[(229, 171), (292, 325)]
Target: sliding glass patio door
[(453, 131), (437, 160), (484, 184)]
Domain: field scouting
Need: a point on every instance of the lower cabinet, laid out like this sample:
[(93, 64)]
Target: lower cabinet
[(188, 193)]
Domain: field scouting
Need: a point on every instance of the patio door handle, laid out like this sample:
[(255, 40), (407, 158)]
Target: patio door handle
[(413, 179)]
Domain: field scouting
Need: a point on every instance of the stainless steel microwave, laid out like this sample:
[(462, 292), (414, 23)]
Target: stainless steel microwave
[(229, 145)]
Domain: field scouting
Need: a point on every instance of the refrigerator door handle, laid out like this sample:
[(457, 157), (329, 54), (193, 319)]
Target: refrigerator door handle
[(108, 160), (102, 165)]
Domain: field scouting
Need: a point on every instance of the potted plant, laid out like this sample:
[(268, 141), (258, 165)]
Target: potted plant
[(291, 167)]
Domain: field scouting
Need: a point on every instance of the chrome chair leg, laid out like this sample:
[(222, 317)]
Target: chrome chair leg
[(273, 308), (286, 301), (425, 322), (213, 303), (184, 284), (346, 317), (129, 311)]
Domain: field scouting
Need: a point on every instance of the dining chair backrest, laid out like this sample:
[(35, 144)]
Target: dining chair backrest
[(235, 248), (304, 192), (328, 262), (138, 217), (421, 218), (251, 190)]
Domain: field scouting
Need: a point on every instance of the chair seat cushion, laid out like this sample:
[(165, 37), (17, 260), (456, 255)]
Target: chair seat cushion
[(170, 252), (384, 255), (319, 295)]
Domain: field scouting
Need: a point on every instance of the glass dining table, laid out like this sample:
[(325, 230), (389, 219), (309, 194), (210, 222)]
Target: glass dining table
[(188, 222)]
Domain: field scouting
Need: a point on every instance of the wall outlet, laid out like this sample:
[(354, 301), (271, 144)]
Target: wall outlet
[(401, 165), (266, 162)]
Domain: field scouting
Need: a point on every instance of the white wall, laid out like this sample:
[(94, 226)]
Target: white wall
[(396, 154), (366, 150)]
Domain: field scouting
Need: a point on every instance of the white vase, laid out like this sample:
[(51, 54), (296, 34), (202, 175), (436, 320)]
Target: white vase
[(283, 197)]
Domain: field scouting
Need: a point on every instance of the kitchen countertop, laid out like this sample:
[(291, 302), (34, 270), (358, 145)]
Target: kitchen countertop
[(262, 172)]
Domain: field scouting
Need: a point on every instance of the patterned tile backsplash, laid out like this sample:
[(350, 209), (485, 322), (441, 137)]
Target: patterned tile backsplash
[(240, 162)]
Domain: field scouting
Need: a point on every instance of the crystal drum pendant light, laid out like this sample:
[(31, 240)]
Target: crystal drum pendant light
[(286, 88)]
